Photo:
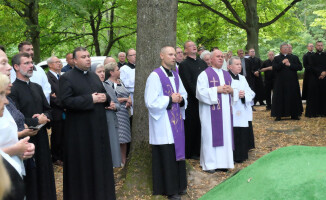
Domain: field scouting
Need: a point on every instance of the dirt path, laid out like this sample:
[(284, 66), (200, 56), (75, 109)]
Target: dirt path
[(269, 135)]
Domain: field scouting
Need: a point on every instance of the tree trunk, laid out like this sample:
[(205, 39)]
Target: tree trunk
[(252, 29), (33, 28), (156, 27)]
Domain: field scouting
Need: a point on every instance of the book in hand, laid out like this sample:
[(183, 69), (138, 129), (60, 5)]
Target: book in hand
[(38, 127)]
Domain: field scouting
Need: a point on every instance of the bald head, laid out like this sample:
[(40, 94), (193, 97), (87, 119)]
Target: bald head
[(217, 59), (108, 60)]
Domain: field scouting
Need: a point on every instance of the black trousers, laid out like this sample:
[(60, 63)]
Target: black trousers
[(169, 175), (268, 92), (57, 135)]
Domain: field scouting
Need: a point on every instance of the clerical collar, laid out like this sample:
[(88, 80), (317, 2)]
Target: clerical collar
[(319, 52), (235, 77), (84, 72), (132, 66), (27, 82), (168, 72)]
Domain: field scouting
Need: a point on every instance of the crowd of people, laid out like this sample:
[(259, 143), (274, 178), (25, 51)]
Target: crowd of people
[(200, 106)]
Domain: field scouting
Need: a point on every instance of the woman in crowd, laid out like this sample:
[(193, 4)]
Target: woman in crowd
[(111, 116), (12, 150), (113, 73)]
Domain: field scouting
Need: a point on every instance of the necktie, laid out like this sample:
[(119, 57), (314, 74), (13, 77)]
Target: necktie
[(58, 76)]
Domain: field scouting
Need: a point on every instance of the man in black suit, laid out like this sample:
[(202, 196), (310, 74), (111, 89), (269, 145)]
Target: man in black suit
[(57, 123)]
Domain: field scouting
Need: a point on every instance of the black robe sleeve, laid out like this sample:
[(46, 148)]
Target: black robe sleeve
[(81, 102)]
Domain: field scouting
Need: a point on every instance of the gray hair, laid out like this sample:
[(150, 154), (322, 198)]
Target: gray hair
[(204, 53), (95, 66), (110, 68), (283, 44), (121, 53), (49, 60), (232, 59)]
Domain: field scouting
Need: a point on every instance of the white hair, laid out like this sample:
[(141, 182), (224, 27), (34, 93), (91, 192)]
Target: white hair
[(204, 53)]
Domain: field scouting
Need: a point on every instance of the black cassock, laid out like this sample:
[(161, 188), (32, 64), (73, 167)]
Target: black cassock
[(286, 93), (307, 73), (87, 170), (316, 94), (39, 180), (189, 71), (256, 83)]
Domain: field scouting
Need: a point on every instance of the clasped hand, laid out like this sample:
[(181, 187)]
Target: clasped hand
[(176, 98), (286, 62), (225, 89), (241, 94), (99, 97), (42, 119)]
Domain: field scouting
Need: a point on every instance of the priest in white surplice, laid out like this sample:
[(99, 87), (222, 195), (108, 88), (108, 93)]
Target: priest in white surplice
[(214, 94), (166, 100), (242, 111)]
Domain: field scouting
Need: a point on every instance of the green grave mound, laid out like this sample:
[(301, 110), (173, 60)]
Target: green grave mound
[(295, 172)]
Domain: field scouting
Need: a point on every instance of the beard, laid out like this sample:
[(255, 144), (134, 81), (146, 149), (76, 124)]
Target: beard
[(26, 74)]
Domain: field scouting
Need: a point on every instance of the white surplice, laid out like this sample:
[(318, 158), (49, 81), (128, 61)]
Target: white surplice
[(160, 131), (213, 157), (127, 75), (242, 113)]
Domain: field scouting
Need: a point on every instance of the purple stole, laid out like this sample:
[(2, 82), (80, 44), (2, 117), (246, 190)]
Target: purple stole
[(216, 109), (174, 114)]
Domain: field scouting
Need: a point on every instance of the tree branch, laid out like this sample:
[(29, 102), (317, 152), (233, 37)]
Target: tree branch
[(261, 25), (190, 3), (222, 15), (8, 4), (234, 13)]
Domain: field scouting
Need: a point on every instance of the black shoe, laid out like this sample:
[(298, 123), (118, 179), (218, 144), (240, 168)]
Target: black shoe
[(295, 118), (210, 171), (222, 170), (253, 109), (268, 108), (174, 197), (183, 192), (277, 119), (262, 104)]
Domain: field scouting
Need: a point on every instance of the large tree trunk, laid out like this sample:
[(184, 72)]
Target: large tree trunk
[(252, 29), (33, 29), (156, 27)]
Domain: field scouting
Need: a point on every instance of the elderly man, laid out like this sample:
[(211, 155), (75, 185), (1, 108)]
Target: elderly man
[(214, 93), (39, 75), (267, 68), (108, 60), (87, 155), (206, 56), (57, 124), (307, 72), (165, 98), (189, 70), (30, 100), (70, 63), (316, 98), (242, 113), (286, 99), (122, 59)]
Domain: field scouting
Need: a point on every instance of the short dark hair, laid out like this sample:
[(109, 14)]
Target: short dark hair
[(16, 59), (20, 46), (76, 50), (2, 48), (319, 41), (214, 48)]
